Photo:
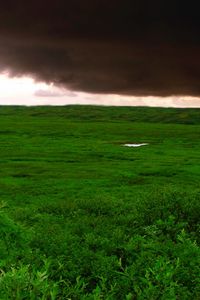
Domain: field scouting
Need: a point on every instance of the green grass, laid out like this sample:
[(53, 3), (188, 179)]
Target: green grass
[(82, 217)]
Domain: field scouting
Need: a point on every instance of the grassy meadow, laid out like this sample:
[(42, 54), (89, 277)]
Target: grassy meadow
[(83, 217)]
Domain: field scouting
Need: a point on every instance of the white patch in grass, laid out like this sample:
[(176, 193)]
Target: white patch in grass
[(135, 145)]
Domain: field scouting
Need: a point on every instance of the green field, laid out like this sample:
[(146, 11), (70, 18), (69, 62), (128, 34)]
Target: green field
[(83, 217)]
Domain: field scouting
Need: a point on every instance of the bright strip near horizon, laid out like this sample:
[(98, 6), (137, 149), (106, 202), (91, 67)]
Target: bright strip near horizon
[(25, 91)]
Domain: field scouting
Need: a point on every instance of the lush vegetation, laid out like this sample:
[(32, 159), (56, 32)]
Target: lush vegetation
[(83, 217)]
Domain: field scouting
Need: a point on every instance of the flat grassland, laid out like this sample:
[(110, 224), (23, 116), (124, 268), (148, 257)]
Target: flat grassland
[(83, 217)]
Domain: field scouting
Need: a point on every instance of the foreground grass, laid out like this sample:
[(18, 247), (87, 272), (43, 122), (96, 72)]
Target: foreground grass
[(82, 217)]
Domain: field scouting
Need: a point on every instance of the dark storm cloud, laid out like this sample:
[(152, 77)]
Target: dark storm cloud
[(125, 47)]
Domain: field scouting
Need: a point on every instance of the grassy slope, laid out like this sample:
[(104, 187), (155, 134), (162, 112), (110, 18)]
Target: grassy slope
[(98, 220)]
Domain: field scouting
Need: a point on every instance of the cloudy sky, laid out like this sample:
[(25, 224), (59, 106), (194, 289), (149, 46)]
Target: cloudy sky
[(131, 52)]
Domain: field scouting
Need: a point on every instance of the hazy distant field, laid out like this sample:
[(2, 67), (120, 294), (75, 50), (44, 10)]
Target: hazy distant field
[(83, 217)]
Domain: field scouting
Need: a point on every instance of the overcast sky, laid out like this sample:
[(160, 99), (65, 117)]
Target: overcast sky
[(94, 47), (25, 91)]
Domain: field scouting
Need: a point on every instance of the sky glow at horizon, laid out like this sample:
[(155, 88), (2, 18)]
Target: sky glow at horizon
[(25, 91)]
